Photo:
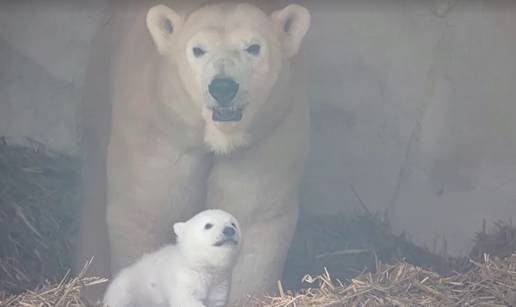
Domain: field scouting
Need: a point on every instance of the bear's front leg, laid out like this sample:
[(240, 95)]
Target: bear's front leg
[(219, 295), (119, 292), (183, 296), (266, 208), (185, 301), (150, 188), (263, 256)]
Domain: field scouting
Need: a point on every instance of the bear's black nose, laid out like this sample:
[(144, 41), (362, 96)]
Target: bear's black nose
[(228, 231), (223, 90)]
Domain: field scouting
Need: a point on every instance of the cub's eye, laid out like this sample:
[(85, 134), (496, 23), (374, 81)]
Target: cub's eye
[(234, 225), (198, 52), (254, 49), (208, 226)]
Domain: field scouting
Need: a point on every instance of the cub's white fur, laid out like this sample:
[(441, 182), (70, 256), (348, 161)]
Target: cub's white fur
[(194, 272)]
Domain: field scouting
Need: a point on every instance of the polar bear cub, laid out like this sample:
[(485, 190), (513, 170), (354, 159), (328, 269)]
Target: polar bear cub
[(194, 272)]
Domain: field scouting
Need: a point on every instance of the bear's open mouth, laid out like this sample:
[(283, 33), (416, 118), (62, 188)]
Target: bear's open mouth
[(226, 241), (231, 114)]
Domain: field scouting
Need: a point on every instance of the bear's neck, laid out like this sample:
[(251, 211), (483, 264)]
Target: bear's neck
[(197, 261)]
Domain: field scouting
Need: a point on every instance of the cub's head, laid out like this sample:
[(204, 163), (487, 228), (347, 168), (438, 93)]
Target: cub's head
[(211, 238), (229, 58)]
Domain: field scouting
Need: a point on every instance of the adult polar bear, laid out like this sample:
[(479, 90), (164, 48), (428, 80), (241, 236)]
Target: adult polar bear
[(205, 114)]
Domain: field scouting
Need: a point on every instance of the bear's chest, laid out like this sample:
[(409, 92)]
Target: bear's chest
[(203, 285)]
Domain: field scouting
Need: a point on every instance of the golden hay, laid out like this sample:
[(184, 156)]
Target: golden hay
[(38, 210), (38, 228), (65, 293), (490, 283), (353, 243)]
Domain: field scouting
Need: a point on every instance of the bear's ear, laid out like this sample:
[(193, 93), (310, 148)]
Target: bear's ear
[(179, 229), (294, 21), (163, 23)]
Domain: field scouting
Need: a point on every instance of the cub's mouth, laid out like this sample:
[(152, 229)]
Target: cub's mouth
[(227, 114), (226, 241)]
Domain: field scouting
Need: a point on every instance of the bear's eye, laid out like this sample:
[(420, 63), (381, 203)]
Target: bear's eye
[(234, 225), (208, 226), (254, 49), (198, 52)]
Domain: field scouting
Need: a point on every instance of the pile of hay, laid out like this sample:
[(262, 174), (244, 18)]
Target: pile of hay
[(349, 244), (489, 283), (38, 229), (38, 211), (66, 293), (499, 241)]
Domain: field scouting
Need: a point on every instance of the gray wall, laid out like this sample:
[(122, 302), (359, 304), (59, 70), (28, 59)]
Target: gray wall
[(43, 53), (413, 104)]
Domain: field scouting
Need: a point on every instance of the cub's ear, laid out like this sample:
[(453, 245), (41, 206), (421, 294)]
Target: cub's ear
[(179, 229), (294, 21), (163, 23)]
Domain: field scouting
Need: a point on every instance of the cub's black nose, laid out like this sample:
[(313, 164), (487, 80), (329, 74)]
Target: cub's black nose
[(229, 231), (223, 90)]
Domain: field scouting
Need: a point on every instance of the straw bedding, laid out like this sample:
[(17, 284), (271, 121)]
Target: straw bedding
[(38, 210), (362, 261), (61, 294), (488, 283)]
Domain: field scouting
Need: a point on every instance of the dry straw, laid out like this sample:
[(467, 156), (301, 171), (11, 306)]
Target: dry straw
[(489, 283), (38, 211), (66, 293)]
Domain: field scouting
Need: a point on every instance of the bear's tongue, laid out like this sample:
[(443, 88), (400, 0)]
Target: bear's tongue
[(226, 115)]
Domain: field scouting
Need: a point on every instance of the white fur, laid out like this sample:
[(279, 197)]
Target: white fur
[(256, 74), (167, 158), (192, 273)]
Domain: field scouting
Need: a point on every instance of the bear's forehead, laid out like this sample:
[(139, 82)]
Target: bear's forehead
[(227, 16), (212, 216)]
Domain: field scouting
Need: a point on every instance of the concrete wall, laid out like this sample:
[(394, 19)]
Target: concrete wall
[(413, 104), (43, 52), (413, 108)]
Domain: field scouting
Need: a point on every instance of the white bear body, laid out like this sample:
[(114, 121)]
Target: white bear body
[(169, 156), (184, 275)]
